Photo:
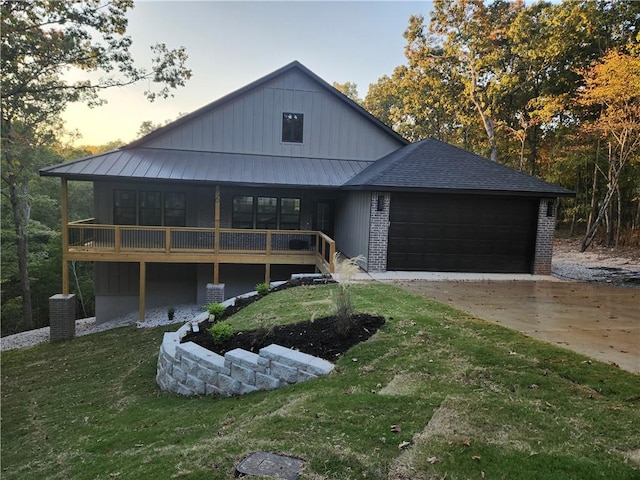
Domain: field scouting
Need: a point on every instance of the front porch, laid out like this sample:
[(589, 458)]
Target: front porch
[(88, 241), (92, 241)]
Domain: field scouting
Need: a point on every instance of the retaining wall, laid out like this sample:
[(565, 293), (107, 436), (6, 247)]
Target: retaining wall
[(189, 369)]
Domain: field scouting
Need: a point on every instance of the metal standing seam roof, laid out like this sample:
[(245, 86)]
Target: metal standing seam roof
[(135, 162), (432, 165), (210, 167)]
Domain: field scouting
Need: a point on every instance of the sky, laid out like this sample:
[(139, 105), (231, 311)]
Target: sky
[(231, 44)]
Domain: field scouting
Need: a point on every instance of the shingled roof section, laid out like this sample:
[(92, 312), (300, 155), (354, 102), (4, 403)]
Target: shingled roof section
[(434, 166)]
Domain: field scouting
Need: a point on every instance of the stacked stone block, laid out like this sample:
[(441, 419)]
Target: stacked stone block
[(189, 369)]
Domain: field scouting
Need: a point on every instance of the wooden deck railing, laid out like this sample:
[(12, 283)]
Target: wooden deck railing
[(109, 241)]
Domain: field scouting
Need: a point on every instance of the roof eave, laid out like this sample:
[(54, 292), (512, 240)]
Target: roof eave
[(466, 191)]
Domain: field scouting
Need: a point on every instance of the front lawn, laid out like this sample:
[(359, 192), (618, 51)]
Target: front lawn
[(470, 400)]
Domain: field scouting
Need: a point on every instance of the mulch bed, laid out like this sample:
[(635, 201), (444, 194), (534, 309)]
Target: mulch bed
[(322, 337)]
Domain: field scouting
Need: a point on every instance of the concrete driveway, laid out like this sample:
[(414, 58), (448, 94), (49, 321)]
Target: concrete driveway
[(597, 320)]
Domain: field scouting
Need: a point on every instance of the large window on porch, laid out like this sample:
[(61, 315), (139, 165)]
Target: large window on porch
[(149, 207), (266, 213)]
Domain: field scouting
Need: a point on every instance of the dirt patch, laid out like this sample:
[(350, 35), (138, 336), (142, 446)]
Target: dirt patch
[(445, 424), (616, 266), (404, 384), (633, 455), (596, 255)]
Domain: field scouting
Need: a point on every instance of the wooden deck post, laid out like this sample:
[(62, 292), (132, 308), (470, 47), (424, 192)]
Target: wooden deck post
[(64, 207), (332, 257), (267, 266), (143, 283), (216, 238)]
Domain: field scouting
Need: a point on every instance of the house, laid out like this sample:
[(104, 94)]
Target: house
[(276, 177)]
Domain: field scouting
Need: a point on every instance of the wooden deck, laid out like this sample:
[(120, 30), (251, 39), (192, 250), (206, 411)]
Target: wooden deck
[(88, 241)]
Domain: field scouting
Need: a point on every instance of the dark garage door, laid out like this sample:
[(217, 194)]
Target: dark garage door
[(461, 233)]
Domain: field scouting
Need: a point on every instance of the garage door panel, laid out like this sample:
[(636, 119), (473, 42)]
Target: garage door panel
[(461, 233)]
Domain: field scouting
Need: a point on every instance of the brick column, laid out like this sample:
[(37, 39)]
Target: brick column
[(215, 293), (544, 236), (378, 231), (62, 317)]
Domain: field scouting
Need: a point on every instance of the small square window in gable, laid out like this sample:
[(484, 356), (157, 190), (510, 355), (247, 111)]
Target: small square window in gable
[(292, 127)]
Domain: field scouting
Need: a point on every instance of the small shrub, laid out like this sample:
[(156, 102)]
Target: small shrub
[(221, 332), (171, 313), (263, 288), (216, 309)]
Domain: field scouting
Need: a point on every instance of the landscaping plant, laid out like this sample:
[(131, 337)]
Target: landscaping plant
[(221, 332), (263, 288), (216, 309), (346, 269)]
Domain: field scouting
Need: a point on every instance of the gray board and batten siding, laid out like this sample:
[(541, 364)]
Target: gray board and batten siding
[(352, 225), (251, 124)]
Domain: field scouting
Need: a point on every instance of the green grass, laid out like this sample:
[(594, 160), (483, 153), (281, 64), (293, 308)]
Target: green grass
[(90, 408)]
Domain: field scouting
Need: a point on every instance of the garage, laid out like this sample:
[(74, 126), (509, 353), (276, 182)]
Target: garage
[(462, 233)]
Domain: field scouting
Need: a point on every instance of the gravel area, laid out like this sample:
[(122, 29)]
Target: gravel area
[(87, 326), (619, 266), (614, 266)]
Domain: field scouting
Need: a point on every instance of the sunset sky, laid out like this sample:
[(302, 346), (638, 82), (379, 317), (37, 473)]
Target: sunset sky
[(231, 44)]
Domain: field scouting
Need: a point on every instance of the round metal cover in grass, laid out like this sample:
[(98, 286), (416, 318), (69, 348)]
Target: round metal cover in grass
[(271, 465)]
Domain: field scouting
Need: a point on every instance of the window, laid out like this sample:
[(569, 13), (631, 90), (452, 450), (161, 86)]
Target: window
[(124, 207), (175, 211), (292, 127), (242, 212), (267, 213), (150, 208), (145, 207), (289, 213)]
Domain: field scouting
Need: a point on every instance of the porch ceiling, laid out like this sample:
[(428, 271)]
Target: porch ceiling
[(214, 167)]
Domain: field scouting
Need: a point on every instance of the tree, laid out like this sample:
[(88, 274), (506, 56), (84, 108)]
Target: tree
[(612, 87), (474, 43), (40, 42), (149, 126), (349, 89)]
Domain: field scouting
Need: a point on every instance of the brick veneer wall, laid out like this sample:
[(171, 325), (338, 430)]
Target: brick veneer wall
[(214, 293), (378, 232), (62, 317), (544, 237)]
